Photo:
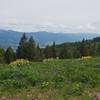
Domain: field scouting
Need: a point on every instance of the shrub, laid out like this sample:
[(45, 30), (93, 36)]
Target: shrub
[(44, 84), (86, 57), (58, 81), (13, 84), (18, 77), (75, 88), (19, 62)]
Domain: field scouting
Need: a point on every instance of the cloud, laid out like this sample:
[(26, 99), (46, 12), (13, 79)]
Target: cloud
[(50, 15), (51, 27), (90, 26)]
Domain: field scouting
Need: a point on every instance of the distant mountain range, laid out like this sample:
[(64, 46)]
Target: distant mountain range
[(11, 38)]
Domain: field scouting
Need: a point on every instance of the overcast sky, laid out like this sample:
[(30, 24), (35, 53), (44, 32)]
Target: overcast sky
[(50, 15)]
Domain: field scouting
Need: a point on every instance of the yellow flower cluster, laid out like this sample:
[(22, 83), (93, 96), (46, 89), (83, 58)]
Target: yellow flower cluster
[(19, 62), (45, 84), (86, 57)]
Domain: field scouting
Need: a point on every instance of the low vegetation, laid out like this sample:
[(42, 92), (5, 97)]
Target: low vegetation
[(71, 79)]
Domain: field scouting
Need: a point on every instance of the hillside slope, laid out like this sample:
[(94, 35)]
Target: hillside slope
[(11, 38)]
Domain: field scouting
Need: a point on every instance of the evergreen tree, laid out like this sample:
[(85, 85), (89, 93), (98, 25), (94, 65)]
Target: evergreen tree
[(63, 52), (22, 48), (53, 50), (47, 52), (97, 49), (84, 48), (23, 39), (26, 48), (2, 52), (31, 49), (9, 55), (39, 55)]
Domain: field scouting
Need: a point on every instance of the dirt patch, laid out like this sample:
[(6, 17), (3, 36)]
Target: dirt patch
[(95, 95)]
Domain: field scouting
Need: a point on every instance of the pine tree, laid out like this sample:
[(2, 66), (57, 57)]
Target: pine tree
[(63, 52), (22, 48), (83, 48), (47, 52), (9, 55), (2, 52), (26, 48), (53, 50), (39, 55), (23, 39), (31, 49)]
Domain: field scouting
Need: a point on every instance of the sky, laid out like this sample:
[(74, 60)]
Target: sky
[(50, 15)]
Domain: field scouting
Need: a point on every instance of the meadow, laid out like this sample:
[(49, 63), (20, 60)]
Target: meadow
[(53, 79)]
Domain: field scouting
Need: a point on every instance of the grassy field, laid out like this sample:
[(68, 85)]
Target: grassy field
[(71, 79)]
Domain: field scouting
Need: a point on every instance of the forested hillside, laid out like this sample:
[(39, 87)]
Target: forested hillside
[(30, 50), (12, 38)]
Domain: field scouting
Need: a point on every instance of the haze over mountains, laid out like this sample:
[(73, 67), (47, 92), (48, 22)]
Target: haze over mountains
[(11, 38)]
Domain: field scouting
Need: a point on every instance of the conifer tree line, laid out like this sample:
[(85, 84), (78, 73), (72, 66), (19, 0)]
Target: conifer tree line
[(28, 49)]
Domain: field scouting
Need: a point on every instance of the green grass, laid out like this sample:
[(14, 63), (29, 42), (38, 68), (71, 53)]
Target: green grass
[(71, 79)]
